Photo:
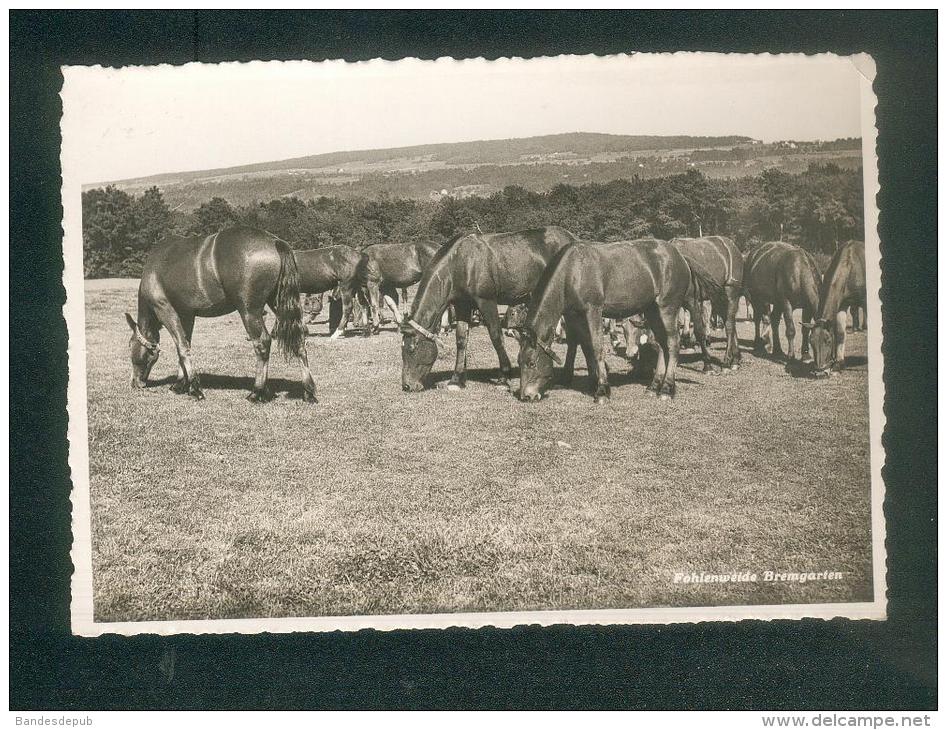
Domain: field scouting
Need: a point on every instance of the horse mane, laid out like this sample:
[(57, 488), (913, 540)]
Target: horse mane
[(446, 248), (551, 267), (813, 265)]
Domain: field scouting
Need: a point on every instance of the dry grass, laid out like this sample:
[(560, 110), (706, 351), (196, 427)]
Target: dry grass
[(377, 501)]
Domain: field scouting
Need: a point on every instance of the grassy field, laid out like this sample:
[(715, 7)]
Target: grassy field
[(377, 501)]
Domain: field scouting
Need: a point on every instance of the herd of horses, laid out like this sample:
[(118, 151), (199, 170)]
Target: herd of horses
[(550, 280)]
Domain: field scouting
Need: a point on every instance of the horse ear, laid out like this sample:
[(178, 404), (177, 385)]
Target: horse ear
[(131, 322)]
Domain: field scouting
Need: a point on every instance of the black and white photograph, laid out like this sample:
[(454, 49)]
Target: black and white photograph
[(429, 343)]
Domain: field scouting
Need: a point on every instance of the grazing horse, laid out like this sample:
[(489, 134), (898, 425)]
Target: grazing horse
[(240, 269), (842, 287), (390, 266), (474, 270), (330, 268), (722, 260), (786, 277), (587, 281)]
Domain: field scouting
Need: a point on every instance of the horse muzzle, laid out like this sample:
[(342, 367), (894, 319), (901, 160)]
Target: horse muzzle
[(530, 396)]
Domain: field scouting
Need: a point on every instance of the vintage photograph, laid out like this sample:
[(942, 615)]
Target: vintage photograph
[(403, 344)]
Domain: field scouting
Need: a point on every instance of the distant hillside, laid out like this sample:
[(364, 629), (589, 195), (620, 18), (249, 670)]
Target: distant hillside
[(461, 169), (495, 151)]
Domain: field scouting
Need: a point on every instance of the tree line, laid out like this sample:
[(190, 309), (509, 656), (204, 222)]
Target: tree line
[(816, 209)]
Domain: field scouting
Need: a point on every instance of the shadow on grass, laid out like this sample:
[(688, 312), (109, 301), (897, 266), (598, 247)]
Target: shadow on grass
[(480, 375), (292, 389)]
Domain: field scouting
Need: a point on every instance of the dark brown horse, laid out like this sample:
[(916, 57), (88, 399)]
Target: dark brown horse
[(722, 260), (388, 267), (330, 268), (474, 270), (842, 287), (238, 269), (785, 277), (587, 281)]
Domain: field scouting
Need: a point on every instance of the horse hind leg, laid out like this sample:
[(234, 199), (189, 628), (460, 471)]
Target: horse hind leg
[(256, 330), (346, 296), (732, 357), (790, 330), (665, 326)]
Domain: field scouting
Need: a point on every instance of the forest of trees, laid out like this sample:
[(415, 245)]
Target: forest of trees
[(816, 209)]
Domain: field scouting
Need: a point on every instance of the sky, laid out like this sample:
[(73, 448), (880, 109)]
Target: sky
[(140, 121)]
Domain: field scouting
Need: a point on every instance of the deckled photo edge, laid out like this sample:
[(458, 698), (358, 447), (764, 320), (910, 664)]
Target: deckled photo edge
[(83, 623)]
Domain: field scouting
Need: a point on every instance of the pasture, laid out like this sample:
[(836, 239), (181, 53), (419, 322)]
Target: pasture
[(376, 501)]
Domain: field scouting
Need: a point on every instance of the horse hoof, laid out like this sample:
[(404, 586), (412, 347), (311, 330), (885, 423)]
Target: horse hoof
[(664, 396), (197, 394), (651, 393), (309, 397), (601, 400), (501, 385), (454, 387)]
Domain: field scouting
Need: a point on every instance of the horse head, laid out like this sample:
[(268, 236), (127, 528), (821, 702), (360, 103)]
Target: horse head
[(822, 341), (418, 353), (536, 365), (143, 352)]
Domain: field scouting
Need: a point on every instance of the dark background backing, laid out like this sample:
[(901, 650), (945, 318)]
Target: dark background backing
[(751, 665)]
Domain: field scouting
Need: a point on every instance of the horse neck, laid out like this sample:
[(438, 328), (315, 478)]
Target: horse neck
[(833, 291), (548, 306), (434, 294), (148, 323)]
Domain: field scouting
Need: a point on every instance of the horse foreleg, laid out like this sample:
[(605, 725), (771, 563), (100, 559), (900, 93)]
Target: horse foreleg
[(256, 329), (593, 323), (573, 329), (180, 328), (840, 334), (314, 301), (662, 330), (806, 319), (491, 318), (459, 379), (180, 384)]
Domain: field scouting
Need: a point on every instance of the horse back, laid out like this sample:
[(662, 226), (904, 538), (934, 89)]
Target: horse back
[(322, 269), (717, 255), (777, 271), (625, 277), (505, 267), (205, 275)]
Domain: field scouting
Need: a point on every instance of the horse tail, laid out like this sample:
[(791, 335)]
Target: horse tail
[(703, 285), (289, 332)]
